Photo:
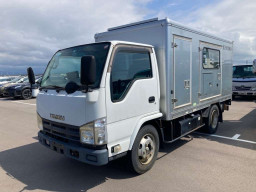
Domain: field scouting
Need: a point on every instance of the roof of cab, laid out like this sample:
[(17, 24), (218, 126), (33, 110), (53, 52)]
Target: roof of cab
[(129, 43)]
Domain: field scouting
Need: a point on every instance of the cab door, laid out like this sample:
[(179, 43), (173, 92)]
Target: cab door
[(131, 92)]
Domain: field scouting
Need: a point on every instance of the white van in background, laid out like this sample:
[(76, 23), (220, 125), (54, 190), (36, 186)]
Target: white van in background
[(244, 80)]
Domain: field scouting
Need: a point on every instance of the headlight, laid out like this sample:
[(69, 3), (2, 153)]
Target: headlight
[(39, 122), (17, 86), (94, 132), (86, 134), (253, 89)]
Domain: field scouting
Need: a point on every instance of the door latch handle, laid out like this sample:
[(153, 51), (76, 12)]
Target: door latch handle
[(174, 101), (151, 99)]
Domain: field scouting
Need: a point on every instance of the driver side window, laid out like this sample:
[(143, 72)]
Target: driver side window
[(128, 66)]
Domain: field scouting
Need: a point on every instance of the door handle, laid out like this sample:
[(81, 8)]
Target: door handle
[(151, 99)]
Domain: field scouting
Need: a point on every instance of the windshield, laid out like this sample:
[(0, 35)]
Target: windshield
[(26, 80), (22, 80), (243, 72), (65, 65), (15, 80)]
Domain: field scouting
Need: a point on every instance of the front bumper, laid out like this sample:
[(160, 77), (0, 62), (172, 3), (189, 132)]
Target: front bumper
[(241, 93), (90, 156), (4, 92)]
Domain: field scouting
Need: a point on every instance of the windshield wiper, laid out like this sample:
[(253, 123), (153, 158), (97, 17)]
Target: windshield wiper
[(55, 87)]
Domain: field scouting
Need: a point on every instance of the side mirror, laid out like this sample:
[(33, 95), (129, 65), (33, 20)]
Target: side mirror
[(31, 76), (88, 70)]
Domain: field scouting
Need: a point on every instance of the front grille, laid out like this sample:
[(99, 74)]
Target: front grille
[(61, 131), (242, 88)]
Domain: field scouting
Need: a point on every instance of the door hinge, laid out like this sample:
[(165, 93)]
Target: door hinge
[(174, 100), (174, 45)]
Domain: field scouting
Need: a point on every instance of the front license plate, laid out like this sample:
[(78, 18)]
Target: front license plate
[(57, 145)]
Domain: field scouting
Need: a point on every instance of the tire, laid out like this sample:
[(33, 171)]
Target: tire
[(26, 94), (212, 121), (144, 151)]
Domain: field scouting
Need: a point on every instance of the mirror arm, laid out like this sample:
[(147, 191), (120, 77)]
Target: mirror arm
[(86, 89)]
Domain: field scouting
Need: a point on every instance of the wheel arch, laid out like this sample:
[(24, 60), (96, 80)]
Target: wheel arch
[(148, 120), (25, 87), (220, 112), (205, 112)]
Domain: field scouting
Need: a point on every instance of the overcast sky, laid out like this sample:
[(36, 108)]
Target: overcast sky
[(31, 31)]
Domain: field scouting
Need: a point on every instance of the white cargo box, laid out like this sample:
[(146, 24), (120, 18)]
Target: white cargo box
[(195, 67)]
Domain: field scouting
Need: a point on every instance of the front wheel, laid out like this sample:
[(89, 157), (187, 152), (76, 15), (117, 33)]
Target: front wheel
[(26, 94), (145, 149)]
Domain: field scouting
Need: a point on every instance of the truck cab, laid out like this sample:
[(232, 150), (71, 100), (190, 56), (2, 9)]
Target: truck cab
[(90, 124), (244, 81)]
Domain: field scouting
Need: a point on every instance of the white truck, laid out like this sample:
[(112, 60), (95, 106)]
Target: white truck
[(139, 85), (244, 81)]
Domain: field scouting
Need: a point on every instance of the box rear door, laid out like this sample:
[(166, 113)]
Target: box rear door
[(210, 71)]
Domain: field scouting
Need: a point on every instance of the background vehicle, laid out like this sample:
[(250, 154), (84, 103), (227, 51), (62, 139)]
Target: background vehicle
[(244, 81), (22, 90), (139, 85), (2, 86), (5, 79)]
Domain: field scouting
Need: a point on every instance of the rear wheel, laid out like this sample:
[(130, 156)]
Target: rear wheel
[(212, 121), (26, 94), (145, 149)]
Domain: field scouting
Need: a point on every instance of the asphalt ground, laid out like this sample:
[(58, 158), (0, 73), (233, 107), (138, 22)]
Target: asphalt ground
[(225, 161)]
